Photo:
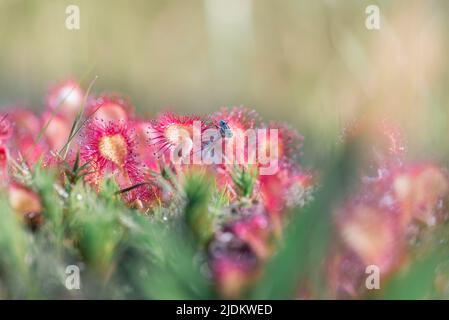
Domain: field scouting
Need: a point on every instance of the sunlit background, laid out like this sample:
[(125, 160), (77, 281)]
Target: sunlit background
[(311, 63)]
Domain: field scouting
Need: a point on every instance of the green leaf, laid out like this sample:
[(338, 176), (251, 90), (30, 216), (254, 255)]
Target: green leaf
[(416, 282), (14, 271)]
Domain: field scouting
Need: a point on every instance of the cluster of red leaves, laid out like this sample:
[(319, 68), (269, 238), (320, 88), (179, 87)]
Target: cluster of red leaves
[(115, 143), (374, 227), (380, 224)]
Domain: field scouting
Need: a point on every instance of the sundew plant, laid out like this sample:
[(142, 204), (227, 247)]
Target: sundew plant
[(98, 201)]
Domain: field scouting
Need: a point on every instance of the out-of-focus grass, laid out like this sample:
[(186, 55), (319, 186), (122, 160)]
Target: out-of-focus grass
[(16, 278), (302, 251), (417, 282)]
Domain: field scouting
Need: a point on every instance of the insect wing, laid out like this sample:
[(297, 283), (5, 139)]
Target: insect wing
[(225, 130)]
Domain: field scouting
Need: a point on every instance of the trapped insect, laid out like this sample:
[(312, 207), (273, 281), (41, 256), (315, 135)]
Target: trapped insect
[(225, 130)]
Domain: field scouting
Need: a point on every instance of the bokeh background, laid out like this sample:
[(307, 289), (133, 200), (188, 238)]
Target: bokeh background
[(311, 63)]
